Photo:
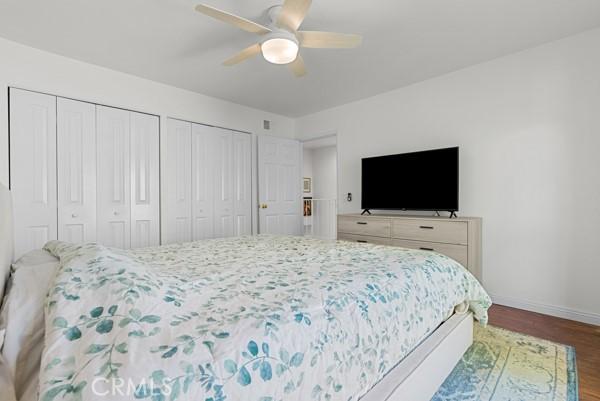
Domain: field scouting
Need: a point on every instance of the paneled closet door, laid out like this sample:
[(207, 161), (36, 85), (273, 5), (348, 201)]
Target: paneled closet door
[(203, 148), (76, 155), (242, 184), (223, 176), (177, 184), (113, 177), (33, 168), (145, 192)]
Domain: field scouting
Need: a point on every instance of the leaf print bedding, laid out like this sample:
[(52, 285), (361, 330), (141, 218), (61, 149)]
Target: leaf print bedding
[(258, 318)]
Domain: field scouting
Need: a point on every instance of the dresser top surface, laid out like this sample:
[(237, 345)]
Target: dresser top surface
[(408, 217)]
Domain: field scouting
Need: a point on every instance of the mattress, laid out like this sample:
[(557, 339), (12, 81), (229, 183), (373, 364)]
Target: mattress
[(256, 318)]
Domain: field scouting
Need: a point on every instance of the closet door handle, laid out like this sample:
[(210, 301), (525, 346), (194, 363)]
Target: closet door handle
[(74, 215), (362, 223), (426, 249), (426, 227)]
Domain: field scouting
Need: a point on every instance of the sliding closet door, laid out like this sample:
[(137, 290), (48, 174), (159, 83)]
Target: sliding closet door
[(76, 156), (33, 168), (203, 142), (177, 184), (242, 184), (223, 175), (113, 177), (145, 191)]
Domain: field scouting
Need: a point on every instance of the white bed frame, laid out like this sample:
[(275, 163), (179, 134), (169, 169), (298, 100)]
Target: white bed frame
[(422, 372), (416, 378)]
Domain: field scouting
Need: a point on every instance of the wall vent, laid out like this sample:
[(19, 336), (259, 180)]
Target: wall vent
[(266, 124)]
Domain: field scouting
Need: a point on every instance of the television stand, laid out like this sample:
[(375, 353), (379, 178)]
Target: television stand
[(365, 211), (459, 238)]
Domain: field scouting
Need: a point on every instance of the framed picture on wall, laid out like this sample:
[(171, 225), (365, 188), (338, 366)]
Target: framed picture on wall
[(307, 185), (307, 206)]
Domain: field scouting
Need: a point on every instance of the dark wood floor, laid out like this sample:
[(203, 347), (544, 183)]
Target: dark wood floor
[(584, 337)]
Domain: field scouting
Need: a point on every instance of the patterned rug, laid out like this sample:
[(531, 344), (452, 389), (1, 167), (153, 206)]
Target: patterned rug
[(505, 366)]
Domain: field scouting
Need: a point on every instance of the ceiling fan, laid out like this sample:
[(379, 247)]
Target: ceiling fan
[(281, 40)]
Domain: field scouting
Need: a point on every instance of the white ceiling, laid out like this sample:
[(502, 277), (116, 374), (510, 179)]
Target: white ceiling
[(405, 41)]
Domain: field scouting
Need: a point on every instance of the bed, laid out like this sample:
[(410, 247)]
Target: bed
[(259, 318)]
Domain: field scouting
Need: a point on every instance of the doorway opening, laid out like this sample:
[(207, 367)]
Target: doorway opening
[(319, 172)]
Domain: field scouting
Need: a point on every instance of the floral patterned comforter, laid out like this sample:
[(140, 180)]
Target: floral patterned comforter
[(260, 318)]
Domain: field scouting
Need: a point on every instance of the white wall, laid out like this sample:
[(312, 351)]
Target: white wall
[(528, 127), (29, 68), (324, 171)]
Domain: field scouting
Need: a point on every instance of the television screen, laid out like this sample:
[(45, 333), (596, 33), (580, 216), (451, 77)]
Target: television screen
[(425, 180)]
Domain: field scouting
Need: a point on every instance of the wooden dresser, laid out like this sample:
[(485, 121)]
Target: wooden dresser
[(458, 238)]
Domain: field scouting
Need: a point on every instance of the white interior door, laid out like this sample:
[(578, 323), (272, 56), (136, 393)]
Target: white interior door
[(203, 148), (223, 184), (177, 183), (113, 177), (33, 168), (145, 182), (242, 184), (279, 184), (76, 156)]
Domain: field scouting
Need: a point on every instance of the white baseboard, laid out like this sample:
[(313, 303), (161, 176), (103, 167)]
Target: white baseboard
[(558, 311)]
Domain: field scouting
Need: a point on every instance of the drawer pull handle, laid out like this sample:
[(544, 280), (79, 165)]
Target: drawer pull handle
[(426, 227), (362, 223), (426, 249), (361, 241)]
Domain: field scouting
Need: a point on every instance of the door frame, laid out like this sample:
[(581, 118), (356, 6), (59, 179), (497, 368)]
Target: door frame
[(329, 134)]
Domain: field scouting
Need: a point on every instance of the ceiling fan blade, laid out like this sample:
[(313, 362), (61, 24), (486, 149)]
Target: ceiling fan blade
[(244, 55), (231, 19), (297, 66), (328, 40), (293, 13)]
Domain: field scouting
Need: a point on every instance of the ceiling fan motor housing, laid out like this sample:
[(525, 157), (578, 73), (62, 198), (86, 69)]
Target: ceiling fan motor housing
[(273, 13)]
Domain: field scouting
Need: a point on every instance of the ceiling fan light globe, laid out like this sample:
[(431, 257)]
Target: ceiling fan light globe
[(279, 50)]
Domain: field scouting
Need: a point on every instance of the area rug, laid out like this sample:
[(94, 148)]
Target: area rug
[(502, 365)]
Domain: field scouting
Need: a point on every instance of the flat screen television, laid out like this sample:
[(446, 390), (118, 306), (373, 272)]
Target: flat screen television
[(426, 180)]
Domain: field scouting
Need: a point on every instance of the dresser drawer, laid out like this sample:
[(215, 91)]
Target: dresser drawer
[(364, 239), (450, 232), (367, 226), (456, 252)]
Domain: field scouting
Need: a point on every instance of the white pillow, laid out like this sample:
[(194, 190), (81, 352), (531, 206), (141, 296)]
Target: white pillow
[(22, 316), (34, 258), (8, 391)]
